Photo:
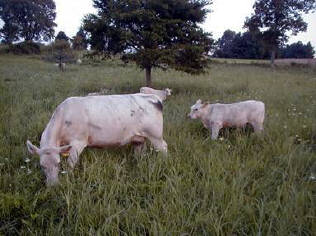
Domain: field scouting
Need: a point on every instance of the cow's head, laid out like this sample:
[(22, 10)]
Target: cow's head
[(49, 160), (168, 91), (197, 110)]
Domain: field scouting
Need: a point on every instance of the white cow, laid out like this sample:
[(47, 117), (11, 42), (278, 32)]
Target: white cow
[(98, 121), (162, 94), (216, 116)]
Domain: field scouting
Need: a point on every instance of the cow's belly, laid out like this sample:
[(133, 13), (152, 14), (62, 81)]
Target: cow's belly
[(116, 136), (108, 140)]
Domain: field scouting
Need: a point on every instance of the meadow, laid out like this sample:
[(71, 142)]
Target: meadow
[(241, 184)]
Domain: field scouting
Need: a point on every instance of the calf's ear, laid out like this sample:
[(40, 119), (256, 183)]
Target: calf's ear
[(32, 148), (64, 149)]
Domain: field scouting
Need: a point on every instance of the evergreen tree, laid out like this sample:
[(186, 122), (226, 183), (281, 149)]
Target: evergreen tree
[(79, 41), (152, 33)]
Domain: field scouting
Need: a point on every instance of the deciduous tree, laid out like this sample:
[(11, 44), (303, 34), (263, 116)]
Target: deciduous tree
[(298, 50), (273, 19), (27, 19)]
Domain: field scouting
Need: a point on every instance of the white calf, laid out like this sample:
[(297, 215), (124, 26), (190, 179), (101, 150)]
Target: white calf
[(216, 116)]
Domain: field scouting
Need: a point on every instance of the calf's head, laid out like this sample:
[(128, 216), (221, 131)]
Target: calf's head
[(49, 160), (197, 110), (168, 91)]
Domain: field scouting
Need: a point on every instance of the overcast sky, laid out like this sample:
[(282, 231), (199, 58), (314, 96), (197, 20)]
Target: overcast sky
[(226, 14)]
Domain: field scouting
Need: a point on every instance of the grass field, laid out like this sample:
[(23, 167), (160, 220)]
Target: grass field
[(242, 184)]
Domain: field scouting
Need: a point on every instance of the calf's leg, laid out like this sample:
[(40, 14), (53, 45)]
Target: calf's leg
[(214, 131), (257, 127)]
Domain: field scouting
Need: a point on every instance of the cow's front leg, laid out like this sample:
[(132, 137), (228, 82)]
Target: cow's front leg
[(215, 130), (75, 151), (159, 144)]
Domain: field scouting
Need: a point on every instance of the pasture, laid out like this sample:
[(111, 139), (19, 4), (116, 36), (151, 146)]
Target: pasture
[(242, 184)]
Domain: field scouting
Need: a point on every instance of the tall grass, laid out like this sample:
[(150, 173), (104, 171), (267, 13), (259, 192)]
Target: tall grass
[(242, 184)]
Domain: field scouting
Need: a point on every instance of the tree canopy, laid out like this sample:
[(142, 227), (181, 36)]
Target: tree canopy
[(239, 45), (152, 33), (62, 36), (27, 19), (297, 50), (245, 46), (273, 19)]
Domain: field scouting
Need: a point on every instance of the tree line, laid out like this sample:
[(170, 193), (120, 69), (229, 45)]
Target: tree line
[(160, 33), (247, 46)]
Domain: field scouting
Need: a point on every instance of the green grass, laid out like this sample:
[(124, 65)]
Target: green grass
[(241, 185)]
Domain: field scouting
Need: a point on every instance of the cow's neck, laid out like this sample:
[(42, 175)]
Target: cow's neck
[(50, 136)]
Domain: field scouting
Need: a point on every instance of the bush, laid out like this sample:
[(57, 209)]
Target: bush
[(26, 47)]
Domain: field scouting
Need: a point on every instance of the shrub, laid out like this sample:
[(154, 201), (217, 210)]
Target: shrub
[(26, 47)]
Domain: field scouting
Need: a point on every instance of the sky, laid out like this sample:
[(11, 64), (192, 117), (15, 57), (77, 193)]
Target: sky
[(226, 14)]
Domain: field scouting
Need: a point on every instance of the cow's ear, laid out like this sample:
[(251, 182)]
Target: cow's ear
[(32, 148), (198, 101), (64, 149)]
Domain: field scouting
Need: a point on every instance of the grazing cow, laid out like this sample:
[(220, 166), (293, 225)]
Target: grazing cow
[(162, 94), (98, 121), (216, 116)]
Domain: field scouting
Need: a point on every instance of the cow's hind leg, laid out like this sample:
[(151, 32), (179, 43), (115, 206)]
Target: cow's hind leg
[(75, 151), (159, 144), (257, 127)]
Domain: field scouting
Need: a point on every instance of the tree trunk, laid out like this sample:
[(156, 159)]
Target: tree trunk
[(272, 57), (148, 76)]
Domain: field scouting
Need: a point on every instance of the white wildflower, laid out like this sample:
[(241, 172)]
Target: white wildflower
[(64, 172), (27, 160), (23, 167)]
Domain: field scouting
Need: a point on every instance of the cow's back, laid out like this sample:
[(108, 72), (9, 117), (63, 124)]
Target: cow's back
[(114, 118)]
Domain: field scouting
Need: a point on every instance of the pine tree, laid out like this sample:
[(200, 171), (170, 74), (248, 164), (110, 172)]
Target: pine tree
[(152, 33)]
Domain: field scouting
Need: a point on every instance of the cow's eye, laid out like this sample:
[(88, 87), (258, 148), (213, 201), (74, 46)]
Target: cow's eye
[(195, 109)]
